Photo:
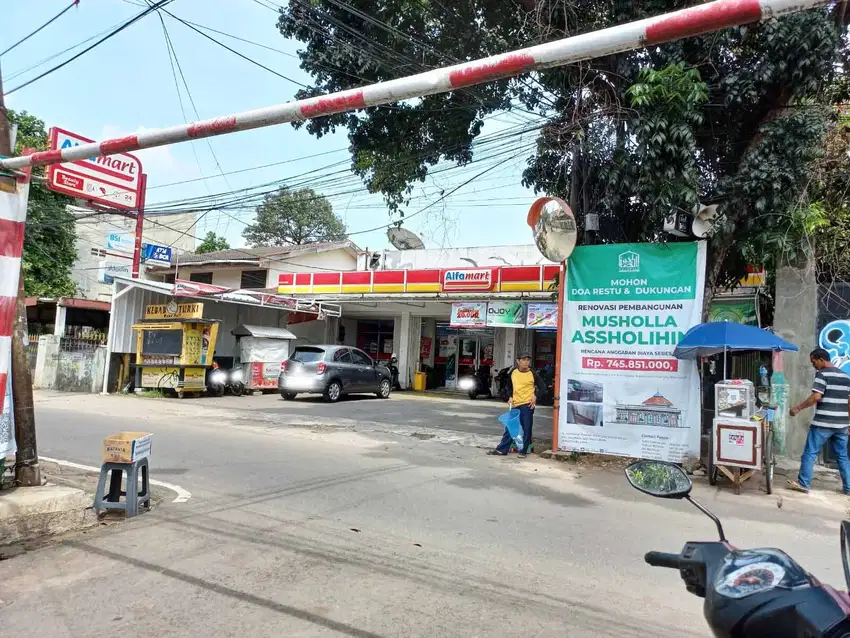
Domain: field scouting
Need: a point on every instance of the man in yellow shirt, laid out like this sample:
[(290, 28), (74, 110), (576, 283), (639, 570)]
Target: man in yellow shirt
[(522, 390)]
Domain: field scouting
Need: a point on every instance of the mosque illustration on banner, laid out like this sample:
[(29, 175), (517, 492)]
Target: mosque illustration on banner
[(656, 410)]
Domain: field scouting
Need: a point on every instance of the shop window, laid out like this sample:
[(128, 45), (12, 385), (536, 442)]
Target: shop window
[(253, 279), (375, 338), (201, 277), (168, 279)]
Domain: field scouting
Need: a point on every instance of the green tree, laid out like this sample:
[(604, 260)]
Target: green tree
[(212, 243), (294, 217), (50, 237), (734, 117)]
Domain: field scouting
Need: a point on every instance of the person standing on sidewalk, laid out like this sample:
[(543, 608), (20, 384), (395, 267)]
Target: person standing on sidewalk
[(831, 396), (524, 386)]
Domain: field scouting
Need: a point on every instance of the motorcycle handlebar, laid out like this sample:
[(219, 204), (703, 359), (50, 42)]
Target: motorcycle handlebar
[(663, 559)]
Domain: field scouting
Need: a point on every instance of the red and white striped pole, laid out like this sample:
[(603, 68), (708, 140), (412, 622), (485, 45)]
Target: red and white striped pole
[(711, 16)]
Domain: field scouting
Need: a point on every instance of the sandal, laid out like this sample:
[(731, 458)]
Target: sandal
[(495, 453), (794, 485)]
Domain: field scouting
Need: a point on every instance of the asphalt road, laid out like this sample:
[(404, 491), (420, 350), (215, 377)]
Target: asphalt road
[(300, 530)]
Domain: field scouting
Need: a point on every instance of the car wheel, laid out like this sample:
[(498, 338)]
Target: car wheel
[(333, 392), (384, 389), (289, 396)]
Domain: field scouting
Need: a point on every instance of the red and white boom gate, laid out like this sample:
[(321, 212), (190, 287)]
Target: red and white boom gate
[(704, 18)]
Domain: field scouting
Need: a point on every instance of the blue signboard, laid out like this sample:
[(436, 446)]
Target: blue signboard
[(156, 254)]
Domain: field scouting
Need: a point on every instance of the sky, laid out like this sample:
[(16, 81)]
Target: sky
[(127, 85)]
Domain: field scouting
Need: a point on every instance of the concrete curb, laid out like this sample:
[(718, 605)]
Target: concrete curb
[(27, 513)]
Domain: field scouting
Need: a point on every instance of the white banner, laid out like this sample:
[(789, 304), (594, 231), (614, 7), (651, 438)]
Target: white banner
[(622, 391), (7, 422)]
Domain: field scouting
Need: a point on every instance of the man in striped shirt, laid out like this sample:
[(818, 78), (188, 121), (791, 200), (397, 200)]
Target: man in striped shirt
[(831, 396)]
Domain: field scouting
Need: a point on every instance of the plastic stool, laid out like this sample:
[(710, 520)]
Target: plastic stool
[(132, 497)]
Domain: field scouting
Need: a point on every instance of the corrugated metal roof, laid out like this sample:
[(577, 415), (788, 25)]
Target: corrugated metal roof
[(264, 332)]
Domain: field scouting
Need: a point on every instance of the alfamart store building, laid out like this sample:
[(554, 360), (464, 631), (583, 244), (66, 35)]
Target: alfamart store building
[(446, 321)]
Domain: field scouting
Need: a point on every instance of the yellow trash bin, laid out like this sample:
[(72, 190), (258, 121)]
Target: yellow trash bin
[(419, 382)]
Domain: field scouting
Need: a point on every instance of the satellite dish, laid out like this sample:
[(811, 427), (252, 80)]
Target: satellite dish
[(403, 239), (554, 228), (704, 220)]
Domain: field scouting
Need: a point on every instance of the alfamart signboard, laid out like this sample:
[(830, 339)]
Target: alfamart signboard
[(622, 391)]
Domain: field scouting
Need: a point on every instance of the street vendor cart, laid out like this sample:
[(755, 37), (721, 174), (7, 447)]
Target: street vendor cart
[(174, 347), (743, 433), (261, 351)]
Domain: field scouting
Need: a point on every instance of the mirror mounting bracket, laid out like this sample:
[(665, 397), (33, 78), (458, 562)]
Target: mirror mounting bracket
[(706, 511)]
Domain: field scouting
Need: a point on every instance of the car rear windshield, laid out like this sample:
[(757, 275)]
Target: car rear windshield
[(308, 355)]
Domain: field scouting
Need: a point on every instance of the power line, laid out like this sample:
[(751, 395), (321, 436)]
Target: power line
[(234, 51), (131, 21), (48, 23)]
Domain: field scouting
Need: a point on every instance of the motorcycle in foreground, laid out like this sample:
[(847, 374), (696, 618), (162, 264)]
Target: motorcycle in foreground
[(748, 593)]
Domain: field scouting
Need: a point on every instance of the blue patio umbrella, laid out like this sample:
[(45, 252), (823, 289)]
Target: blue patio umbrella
[(707, 339)]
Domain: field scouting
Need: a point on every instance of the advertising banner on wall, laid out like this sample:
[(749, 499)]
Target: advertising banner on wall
[(506, 314), (622, 391), (542, 316), (738, 309), (469, 315)]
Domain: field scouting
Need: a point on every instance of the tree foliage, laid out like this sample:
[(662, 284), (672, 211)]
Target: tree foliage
[(50, 236), (212, 243), (735, 117), (294, 217)]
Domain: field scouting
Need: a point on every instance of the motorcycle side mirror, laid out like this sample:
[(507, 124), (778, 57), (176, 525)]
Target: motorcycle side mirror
[(845, 550), (658, 478), (668, 480)]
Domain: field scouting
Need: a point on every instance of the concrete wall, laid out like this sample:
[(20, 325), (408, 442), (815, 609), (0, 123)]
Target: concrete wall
[(75, 371), (311, 332), (93, 231), (311, 262), (231, 277), (227, 277), (519, 255), (795, 319)]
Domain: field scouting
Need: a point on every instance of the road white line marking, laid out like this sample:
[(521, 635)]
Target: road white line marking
[(182, 494)]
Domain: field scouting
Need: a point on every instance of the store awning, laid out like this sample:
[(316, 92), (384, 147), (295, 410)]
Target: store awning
[(263, 332)]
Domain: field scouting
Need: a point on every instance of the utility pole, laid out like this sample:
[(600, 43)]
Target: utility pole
[(27, 471)]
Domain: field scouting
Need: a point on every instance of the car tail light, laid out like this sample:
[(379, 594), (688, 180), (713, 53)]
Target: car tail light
[(283, 366), (321, 368)]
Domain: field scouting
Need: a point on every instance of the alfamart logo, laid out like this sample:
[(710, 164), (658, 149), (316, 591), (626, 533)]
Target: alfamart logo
[(480, 279), (629, 261)]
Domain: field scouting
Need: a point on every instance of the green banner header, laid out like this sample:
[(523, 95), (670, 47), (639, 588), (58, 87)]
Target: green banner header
[(633, 272)]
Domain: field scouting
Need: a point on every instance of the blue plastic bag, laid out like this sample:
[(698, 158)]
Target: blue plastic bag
[(512, 423)]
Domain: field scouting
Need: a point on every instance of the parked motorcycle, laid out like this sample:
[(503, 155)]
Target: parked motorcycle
[(393, 368), (220, 381), (547, 375), (477, 385), (748, 592), (216, 381)]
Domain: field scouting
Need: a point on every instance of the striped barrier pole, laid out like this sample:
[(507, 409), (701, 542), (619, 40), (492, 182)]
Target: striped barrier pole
[(711, 16)]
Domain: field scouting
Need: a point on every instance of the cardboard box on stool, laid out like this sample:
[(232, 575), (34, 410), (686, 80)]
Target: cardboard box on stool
[(126, 447)]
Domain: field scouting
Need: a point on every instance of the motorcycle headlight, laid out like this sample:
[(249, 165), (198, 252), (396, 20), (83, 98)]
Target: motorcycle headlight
[(466, 384), (217, 376), (236, 375)]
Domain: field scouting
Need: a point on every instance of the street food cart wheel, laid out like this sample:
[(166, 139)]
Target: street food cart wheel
[(769, 459)]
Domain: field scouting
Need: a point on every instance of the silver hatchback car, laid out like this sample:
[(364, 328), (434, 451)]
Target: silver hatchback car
[(332, 371)]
